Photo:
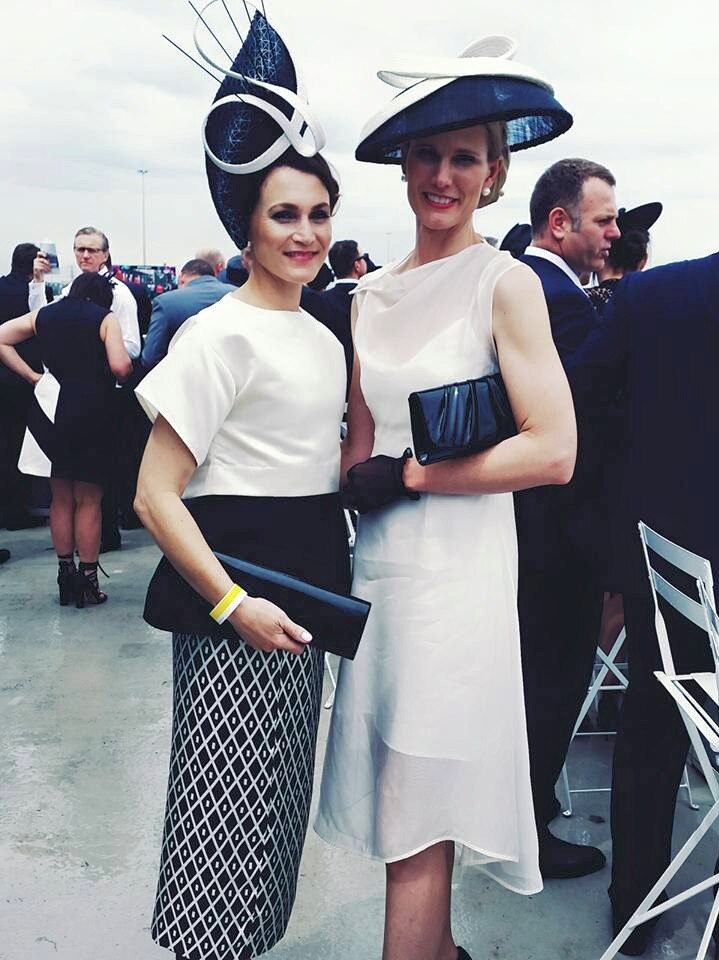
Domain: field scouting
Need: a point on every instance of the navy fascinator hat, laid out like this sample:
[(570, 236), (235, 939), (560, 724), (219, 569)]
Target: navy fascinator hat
[(259, 112), (483, 84), (517, 239)]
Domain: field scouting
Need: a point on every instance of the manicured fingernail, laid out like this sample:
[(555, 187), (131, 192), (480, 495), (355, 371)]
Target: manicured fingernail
[(306, 637)]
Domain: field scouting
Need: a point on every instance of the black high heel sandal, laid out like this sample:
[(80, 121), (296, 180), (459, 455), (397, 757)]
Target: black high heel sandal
[(85, 586), (66, 573)]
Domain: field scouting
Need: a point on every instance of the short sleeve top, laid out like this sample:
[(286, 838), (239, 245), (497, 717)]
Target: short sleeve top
[(257, 396)]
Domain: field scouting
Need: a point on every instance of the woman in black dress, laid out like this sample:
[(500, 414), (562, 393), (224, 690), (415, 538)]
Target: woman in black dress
[(70, 433)]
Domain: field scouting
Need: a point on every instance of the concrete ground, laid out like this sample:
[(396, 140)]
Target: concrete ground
[(84, 740)]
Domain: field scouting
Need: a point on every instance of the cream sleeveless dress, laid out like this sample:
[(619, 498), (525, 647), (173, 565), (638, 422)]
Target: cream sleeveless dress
[(428, 739)]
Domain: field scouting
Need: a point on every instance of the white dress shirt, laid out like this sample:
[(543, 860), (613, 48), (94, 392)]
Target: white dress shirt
[(36, 298), (124, 308), (557, 261)]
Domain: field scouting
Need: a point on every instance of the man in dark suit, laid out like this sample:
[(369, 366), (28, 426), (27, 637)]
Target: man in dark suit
[(22, 290), (349, 266), (197, 288), (573, 213), (658, 344)]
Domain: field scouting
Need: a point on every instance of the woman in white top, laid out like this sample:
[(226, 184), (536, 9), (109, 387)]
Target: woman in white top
[(428, 743), (244, 459)]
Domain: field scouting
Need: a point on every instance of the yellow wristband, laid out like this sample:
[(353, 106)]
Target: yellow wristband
[(220, 612)]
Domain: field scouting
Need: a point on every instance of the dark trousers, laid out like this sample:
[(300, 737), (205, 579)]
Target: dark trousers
[(14, 486), (650, 751), (132, 428), (136, 428), (560, 609)]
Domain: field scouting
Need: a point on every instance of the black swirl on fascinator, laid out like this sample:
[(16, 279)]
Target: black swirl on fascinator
[(258, 113)]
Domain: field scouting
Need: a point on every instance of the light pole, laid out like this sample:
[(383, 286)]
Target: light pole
[(143, 174)]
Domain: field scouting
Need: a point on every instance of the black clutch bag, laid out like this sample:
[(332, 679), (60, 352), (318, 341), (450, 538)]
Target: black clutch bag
[(336, 622), (460, 418)]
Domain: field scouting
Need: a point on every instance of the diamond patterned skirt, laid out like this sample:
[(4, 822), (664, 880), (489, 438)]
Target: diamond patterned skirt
[(241, 768)]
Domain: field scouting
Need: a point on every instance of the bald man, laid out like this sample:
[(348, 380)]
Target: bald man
[(214, 257)]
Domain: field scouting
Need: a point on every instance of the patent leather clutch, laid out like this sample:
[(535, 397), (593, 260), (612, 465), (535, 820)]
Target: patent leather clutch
[(460, 418), (336, 622)]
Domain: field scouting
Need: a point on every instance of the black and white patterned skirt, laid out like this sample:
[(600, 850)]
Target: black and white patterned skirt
[(244, 732)]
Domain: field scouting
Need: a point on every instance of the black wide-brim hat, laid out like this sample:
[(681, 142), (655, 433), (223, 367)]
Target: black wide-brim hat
[(259, 112), (482, 85), (642, 217)]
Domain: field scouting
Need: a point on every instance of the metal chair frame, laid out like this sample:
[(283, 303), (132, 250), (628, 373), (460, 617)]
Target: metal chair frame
[(698, 722), (607, 665)]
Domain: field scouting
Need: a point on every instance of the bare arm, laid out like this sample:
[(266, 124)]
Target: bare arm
[(357, 445), (544, 450), (117, 355), (166, 469), (17, 331)]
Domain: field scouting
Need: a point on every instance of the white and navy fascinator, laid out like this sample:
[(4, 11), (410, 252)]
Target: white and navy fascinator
[(481, 85), (259, 111)]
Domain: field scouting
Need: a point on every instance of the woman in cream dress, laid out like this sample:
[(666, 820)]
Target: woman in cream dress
[(428, 743)]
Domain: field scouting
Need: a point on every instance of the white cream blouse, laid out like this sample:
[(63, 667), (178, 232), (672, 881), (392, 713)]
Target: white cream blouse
[(257, 396)]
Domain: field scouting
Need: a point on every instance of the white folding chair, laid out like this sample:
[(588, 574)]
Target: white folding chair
[(700, 570), (606, 669), (608, 675), (698, 722)]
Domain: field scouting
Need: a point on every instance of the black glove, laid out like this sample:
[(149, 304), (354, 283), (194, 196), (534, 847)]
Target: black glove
[(376, 482)]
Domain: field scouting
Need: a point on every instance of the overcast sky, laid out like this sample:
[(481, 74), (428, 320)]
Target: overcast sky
[(91, 92)]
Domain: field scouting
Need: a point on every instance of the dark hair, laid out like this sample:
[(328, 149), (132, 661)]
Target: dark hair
[(88, 231), (342, 257), (95, 287), (628, 251), (561, 185), (23, 256), (198, 268), (316, 165)]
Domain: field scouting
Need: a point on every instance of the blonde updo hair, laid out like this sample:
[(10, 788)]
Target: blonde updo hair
[(496, 148)]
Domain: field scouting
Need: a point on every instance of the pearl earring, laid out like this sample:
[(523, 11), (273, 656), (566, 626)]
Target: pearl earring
[(486, 191)]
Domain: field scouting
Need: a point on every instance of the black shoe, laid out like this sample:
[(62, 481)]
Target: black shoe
[(608, 710), (66, 573), (110, 542), (4, 556), (560, 860), (25, 522), (639, 939), (86, 589)]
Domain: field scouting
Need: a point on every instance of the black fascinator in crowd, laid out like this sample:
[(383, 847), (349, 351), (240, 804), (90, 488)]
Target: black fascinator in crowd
[(258, 113), (642, 217), (517, 239)]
